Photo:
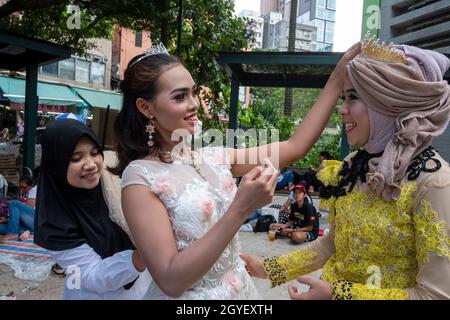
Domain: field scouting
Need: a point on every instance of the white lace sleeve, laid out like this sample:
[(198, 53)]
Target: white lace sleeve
[(135, 174)]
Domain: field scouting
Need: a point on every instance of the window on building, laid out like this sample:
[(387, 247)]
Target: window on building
[(67, 69), (97, 73), (138, 39), (82, 70), (321, 13), (329, 32), (50, 69), (321, 4), (320, 24), (331, 4), (331, 15)]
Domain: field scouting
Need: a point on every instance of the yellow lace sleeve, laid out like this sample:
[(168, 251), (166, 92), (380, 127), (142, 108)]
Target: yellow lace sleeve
[(303, 261), (345, 290), (287, 267)]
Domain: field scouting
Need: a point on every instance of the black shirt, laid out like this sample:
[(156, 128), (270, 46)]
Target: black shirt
[(304, 216)]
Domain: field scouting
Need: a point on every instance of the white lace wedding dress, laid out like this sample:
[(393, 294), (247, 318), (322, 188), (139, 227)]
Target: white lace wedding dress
[(195, 202)]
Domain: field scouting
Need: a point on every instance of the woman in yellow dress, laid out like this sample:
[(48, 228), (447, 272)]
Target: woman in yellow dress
[(390, 201)]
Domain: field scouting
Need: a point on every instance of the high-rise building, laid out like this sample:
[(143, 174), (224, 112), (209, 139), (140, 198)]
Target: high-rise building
[(320, 14), (270, 6), (270, 21), (277, 36), (424, 24), (255, 25)]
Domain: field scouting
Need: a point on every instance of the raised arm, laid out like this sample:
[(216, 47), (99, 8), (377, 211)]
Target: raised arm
[(298, 145)]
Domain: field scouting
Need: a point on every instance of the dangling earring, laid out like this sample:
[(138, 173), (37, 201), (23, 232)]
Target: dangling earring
[(150, 129)]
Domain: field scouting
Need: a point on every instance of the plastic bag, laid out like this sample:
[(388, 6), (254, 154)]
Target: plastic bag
[(28, 268)]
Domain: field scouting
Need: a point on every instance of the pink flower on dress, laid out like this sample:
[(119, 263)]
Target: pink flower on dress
[(208, 209), (163, 186), (228, 185), (220, 158), (232, 280)]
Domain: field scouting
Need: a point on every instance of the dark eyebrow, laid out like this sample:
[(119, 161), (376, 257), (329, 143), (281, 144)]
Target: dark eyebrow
[(81, 152), (194, 87), (351, 91), (180, 90)]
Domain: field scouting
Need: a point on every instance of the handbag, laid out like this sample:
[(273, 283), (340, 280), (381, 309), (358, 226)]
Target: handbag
[(263, 223)]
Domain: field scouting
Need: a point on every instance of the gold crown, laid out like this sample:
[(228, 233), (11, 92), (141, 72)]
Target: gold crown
[(372, 48)]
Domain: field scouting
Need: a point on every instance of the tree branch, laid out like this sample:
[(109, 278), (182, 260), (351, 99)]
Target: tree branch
[(21, 5), (80, 32)]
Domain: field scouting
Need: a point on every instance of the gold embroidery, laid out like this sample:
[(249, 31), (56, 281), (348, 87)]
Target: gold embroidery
[(431, 234), (345, 290)]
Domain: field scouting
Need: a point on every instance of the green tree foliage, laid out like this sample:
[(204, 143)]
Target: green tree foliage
[(267, 107), (208, 27), (326, 142)]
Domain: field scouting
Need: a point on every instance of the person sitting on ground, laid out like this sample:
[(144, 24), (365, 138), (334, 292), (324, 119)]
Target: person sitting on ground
[(302, 223), (20, 222), (286, 207), (285, 180)]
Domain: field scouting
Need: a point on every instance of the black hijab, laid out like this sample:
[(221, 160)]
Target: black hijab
[(67, 217)]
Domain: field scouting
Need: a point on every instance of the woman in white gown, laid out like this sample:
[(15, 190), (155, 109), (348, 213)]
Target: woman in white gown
[(182, 207)]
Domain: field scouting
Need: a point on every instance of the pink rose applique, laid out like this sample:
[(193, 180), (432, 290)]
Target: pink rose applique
[(163, 186), (208, 209), (228, 185), (231, 279)]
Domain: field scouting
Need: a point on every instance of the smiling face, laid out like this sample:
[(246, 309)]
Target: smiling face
[(176, 104), (355, 117), (85, 166)]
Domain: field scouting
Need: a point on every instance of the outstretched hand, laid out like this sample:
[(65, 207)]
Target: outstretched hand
[(318, 290), (349, 55)]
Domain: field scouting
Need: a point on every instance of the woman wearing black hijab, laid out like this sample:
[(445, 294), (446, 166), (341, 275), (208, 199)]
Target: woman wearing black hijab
[(72, 219)]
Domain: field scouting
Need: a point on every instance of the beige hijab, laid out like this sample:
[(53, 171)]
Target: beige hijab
[(419, 100)]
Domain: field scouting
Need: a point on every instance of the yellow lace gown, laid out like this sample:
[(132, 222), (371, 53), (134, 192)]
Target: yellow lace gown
[(378, 249)]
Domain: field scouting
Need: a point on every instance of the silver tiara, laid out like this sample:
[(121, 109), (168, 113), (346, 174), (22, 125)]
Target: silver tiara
[(157, 48)]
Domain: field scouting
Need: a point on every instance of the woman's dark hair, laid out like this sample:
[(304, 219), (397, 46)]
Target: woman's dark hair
[(140, 81), (26, 179)]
